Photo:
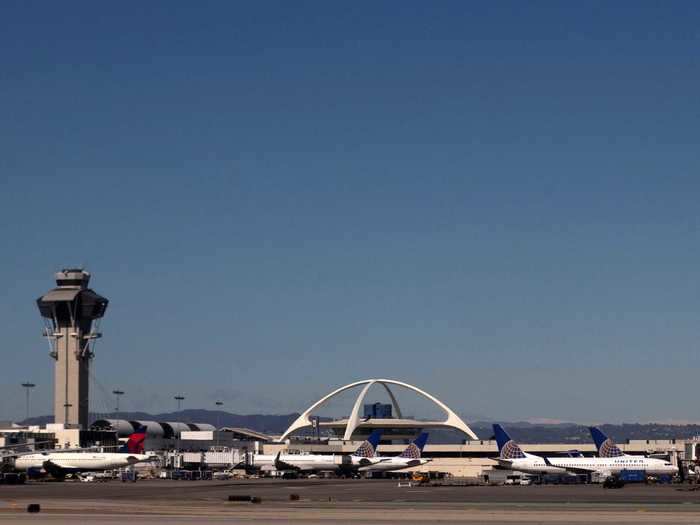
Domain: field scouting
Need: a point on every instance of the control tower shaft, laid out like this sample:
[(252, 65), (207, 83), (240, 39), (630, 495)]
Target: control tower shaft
[(69, 311)]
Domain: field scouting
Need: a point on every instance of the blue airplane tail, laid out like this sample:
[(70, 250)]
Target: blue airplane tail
[(606, 447), (368, 448), (507, 448), (502, 436), (415, 449), (598, 437), (374, 438)]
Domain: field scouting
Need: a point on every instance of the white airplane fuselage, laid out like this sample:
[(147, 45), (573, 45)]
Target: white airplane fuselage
[(395, 463), (606, 466), (309, 462), (298, 461), (80, 461)]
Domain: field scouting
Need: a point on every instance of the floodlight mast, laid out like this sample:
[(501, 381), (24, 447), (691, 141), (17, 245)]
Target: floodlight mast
[(117, 394), (28, 386), (218, 404)]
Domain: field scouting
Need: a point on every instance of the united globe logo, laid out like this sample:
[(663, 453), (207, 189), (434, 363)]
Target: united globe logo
[(366, 450), (511, 451), (609, 450), (412, 451)]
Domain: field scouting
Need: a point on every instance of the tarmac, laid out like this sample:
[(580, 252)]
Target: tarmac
[(344, 501)]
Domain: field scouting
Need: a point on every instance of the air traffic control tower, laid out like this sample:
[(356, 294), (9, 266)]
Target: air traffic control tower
[(69, 311)]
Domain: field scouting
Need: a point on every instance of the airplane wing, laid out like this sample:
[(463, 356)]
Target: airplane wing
[(283, 465), (54, 470), (503, 463), (417, 462), (249, 469), (571, 470), (366, 466), (579, 470), (368, 462), (401, 468)]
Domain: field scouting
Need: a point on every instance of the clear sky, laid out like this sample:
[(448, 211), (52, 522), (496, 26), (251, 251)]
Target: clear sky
[(495, 201)]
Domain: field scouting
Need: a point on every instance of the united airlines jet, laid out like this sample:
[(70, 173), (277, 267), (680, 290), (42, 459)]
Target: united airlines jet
[(618, 460), (363, 456), (611, 460), (410, 457)]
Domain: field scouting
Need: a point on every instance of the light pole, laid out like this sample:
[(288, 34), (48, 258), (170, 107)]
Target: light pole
[(218, 404), (28, 386), (179, 399), (117, 394)]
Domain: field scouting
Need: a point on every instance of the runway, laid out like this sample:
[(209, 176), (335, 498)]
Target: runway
[(345, 501)]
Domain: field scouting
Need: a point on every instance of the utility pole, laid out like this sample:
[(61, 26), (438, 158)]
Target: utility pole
[(218, 404), (179, 398), (28, 386), (316, 425), (117, 393)]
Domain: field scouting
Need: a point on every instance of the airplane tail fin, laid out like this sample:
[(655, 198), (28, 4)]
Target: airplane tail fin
[(606, 447), (415, 449), (135, 444), (507, 448), (368, 449)]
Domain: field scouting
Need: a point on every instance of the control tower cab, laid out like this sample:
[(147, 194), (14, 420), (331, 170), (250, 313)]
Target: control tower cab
[(69, 311)]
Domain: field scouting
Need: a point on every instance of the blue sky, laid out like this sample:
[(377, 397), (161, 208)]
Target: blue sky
[(495, 201)]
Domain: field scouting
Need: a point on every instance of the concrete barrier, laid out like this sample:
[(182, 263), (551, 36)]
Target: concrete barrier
[(238, 497), (244, 498)]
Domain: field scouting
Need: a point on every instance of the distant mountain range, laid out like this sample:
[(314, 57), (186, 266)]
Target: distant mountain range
[(525, 432), (269, 424), (573, 433)]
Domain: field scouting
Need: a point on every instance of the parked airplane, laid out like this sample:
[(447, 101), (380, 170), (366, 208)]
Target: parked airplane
[(364, 455), (610, 462), (59, 463), (410, 457), (621, 461), (512, 457)]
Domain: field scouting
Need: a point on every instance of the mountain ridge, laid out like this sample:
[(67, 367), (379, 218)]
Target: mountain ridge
[(523, 431)]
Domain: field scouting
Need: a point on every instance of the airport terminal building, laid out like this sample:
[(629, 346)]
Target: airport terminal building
[(469, 456), (202, 446), (72, 312)]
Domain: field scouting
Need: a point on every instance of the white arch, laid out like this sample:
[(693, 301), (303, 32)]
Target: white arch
[(394, 402), (453, 420), (354, 418)]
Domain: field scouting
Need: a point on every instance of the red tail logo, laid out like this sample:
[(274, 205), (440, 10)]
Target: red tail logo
[(136, 441)]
